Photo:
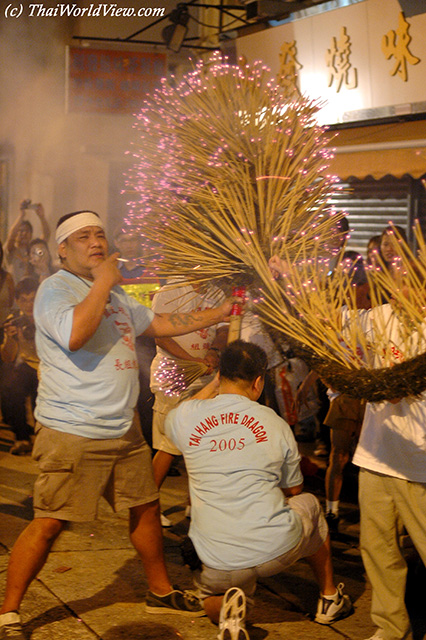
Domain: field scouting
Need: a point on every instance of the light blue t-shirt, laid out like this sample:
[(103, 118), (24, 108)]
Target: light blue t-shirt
[(90, 392), (238, 454)]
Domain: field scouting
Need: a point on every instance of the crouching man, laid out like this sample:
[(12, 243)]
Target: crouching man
[(250, 518)]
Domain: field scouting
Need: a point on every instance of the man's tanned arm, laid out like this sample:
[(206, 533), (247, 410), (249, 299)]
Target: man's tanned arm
[(178, 324)]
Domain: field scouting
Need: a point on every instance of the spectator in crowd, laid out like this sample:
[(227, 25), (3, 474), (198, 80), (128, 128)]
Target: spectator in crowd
[(393, 242), (7, 293), (393, 246), (336, 247), (19, 366), (40, 259), (373, 249), (345, 414), (250, 518), (128, 243), (88, 442), (19, 238)]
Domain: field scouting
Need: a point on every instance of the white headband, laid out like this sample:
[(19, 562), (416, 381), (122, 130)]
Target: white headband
[(80, 220)]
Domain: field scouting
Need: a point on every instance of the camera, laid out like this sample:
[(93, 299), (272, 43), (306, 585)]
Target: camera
[(27, 204), (24, 323)]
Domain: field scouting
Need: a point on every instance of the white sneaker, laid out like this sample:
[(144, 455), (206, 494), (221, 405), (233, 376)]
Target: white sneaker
[(165, 522), (332, 608), (232, 616), (10, 626)]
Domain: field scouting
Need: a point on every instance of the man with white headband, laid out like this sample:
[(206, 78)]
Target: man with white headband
[(88, 440)]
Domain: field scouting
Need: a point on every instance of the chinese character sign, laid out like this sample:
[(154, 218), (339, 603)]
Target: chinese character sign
[(289, 66), (395, 45), (338, 62)]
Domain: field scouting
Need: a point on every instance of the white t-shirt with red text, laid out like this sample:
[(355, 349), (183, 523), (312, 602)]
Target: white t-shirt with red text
[(184, 299), (393, 435), (91, 392), (238, 454)]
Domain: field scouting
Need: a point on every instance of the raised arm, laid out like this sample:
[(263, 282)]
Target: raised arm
[(88, 313), (10, 346), (11, 236), (45, 229), (178, 324)]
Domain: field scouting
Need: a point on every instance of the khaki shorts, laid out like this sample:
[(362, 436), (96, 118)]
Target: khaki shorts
[(346, 413), (76, 471), (210, 582), (162, 405)]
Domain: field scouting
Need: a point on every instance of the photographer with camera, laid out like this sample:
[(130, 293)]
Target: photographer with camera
[(19, 238), (19, 366)]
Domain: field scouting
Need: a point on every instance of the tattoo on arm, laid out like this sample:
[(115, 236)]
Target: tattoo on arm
[(184, 319)]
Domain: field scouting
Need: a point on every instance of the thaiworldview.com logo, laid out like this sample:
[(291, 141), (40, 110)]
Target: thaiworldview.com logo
[(94, 10)]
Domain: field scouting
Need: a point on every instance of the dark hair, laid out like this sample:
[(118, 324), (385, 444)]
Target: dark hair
[(400, 236), (356, 270), (342, 225), (400, 232), (375, 239), (352, 255), (243, 361), (25, 286), (26, 223), (74, 213)]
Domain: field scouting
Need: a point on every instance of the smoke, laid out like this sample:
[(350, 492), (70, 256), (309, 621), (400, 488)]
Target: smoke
[(32, 68), (62, 160)]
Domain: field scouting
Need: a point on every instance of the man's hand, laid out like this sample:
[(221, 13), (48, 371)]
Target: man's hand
[(107, 271), (39, 209), (88, 313), (211, 359), (23, 205), (10, 329), (226, 307), (9, 348)]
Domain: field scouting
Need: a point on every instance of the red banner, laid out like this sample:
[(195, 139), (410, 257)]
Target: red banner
[(109, 81)]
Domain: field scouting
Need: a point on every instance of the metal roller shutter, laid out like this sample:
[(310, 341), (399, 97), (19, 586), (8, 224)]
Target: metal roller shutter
[(371, 204)]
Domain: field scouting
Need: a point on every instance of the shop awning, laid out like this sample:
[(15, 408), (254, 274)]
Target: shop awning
[(379, 150)]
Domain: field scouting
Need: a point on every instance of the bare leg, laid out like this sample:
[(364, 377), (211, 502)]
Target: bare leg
[(147, 537), (161, 464), (212, 607), (322, 567), (28, 556), (339, 456)]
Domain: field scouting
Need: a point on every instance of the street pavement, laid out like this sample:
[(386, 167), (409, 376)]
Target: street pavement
[(93, 585)]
